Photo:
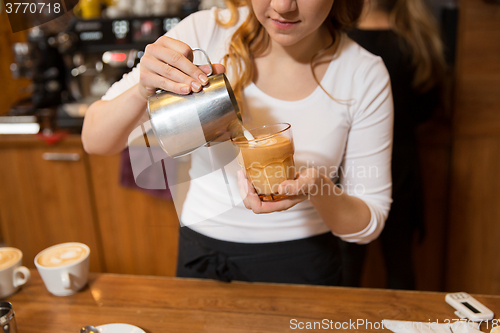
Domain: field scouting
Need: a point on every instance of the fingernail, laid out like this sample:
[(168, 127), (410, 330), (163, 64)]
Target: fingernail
[(196, 86), (288, 189), (185, 89), (203, 79)]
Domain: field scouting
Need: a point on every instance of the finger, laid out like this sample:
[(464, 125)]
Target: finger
[(217, 68), (284, 204), (253, 199), (178, 60), (243, 188), (285, 188), (170, 73), (177, 67), (176, 45), (153, 81), (293, 187)]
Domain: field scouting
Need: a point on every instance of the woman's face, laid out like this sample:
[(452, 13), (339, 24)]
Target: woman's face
[(290, 21)]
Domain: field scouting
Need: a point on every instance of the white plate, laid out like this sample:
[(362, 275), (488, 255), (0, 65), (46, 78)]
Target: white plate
[(119, 328)]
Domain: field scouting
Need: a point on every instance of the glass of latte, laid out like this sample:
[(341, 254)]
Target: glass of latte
[(266, 154), (64, 267)]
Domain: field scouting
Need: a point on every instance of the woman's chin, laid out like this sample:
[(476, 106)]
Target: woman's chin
[(285, 40)]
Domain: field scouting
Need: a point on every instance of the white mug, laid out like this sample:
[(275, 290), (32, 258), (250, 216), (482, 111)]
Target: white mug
[(12, 274), (64, 268)]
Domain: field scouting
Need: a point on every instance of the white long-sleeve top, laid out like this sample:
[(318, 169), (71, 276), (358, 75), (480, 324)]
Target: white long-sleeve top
[(349, 139)]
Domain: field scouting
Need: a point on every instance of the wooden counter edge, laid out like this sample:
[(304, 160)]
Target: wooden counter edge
[(94, 275)]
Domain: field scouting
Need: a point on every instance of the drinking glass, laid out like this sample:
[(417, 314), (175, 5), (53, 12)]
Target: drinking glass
[(267, 158)]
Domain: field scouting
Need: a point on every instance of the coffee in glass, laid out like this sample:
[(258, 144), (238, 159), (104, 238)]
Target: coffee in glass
[(267, 158)]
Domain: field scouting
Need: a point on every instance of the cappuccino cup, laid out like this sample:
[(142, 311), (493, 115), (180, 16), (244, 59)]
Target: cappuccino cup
[(64, 268), (12, 274)]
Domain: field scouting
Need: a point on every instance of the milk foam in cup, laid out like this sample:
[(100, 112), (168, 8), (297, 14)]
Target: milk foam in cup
[(64, 267), (12, 274)]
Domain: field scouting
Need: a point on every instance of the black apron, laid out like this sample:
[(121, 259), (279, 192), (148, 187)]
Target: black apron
[(314, 260)]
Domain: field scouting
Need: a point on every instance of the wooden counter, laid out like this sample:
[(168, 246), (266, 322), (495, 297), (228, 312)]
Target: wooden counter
[(161, 304)]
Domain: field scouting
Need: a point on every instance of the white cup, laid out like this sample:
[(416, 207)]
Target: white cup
[(64, 276), (12, 274)]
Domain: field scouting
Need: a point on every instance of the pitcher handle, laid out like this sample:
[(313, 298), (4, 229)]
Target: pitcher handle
[(208, 60)]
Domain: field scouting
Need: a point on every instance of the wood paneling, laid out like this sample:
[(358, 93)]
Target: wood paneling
[(475, 216), (45, 202), (139, 232), (473, 263), (477, 109), (12, 90)]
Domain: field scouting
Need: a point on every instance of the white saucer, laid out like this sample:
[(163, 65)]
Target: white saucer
[(119, 328)]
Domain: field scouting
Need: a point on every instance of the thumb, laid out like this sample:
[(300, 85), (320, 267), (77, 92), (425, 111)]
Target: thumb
[(218, 68), (293, 187)]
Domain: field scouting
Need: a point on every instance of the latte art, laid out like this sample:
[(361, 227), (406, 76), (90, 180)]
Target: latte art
[(8, 257), (62, 255)]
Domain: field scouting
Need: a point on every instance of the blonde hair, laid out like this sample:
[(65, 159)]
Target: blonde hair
[(251, 40), (415, 23)]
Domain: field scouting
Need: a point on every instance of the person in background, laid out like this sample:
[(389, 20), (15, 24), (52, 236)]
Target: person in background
[(288, 61), (405, 35)]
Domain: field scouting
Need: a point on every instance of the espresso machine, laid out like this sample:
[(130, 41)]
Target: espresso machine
[(98, 52), (74, 66)]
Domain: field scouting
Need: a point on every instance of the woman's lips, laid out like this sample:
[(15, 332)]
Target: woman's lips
[(284, 25)]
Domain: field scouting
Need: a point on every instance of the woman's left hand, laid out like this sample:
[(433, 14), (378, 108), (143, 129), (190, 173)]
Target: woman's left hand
[(298, 190)]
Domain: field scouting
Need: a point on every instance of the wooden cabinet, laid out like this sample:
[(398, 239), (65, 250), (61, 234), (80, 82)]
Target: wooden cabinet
[(139, 232), (46, 200)]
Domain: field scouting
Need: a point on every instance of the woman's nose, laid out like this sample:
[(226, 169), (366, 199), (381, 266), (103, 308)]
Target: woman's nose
[(284, 6)]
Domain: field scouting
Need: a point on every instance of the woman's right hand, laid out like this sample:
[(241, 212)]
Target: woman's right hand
[(168, 64)]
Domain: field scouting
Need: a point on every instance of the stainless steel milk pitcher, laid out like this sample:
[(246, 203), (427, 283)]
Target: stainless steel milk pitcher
[(183, 123)]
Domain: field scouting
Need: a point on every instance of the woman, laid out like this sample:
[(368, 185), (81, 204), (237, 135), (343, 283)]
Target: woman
[(405, 35), (287, 63)]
